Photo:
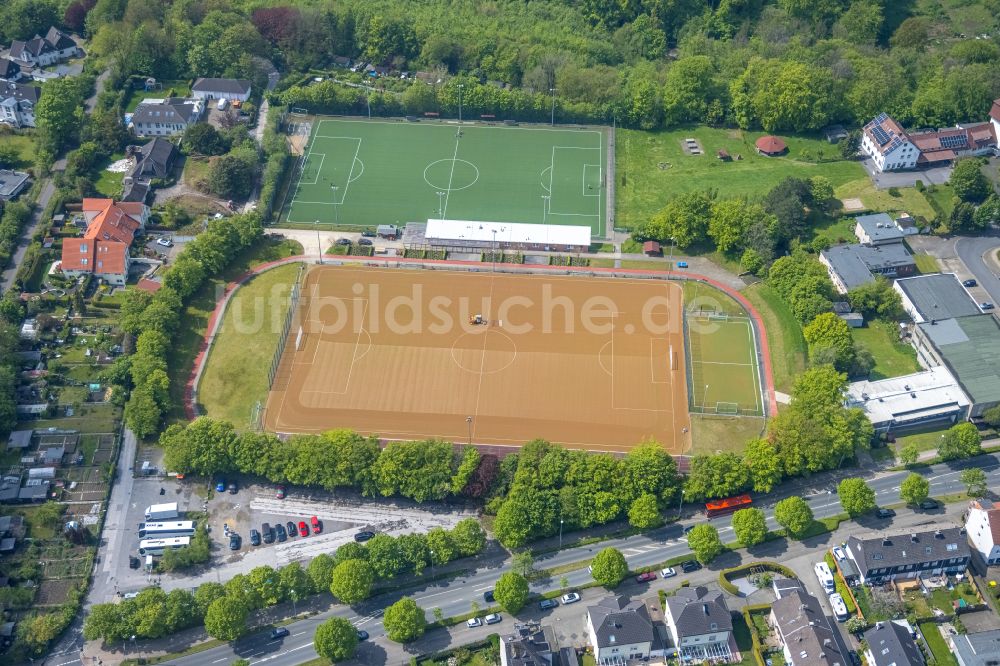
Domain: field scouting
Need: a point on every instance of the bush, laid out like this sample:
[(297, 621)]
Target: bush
[(894, 192), (726, 575), (919, 185)]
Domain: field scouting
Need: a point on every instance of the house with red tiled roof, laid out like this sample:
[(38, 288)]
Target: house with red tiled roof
[(893, 149), (982, 524), (103, 249)]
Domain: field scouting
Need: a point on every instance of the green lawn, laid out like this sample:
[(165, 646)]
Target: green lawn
[(943, 196), (90, 418), (712, 434), (789, 351), (109, 183), (644, 186), (938, 647), (194, 321), (892, 357), (926, 263), (196, 171), (243, 350), (924, 441), (909, 200), (741, 633), (377, 172), (25, 147), (174, 88), (723, 362)]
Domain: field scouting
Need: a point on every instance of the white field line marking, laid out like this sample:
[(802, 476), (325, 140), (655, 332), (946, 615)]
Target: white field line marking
[(447, 195)]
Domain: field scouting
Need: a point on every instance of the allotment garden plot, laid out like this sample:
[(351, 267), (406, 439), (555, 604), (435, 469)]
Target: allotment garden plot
[(358, 172), (492, 358)]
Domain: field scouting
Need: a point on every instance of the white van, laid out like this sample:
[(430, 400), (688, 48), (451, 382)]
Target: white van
[(221, 106), (825, 577), (839, 607)]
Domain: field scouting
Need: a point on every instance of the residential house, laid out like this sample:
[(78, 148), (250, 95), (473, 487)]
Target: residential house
[(619, 630), (12, 183), (230, 89), (890, 557), (803, 631), (890, 644), (700, 624), (888, 144), (877, 229), (103, 249), (152, 160), (166, 117), (851, 266), (530, 645), (39, 51), (892, 148), (17, 104), (982, 523), (979, 649), (10, 71)]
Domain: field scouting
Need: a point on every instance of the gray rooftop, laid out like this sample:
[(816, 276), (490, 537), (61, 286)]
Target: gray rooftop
[(970, 347), (854, 263), (914, 548), (237, 86), (529, 645), (169, 110), (938, 296), (892, 645), (980, 649), (879, 227), (11, 182), (805, 630), (617, 621), (697, 611), (19, 439)]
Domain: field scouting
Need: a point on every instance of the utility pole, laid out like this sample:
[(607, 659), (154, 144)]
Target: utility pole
[(460, 86), (553, 119), (468, 420), (319, 244), (440, 204)]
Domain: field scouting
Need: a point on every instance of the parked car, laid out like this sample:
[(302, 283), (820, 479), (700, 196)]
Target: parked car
[(165, 242), (279, 531), (688, 566), (645, 577), (570, 598), (368, 234), (362, 635), (233, 488), (839, 553), (929, 504), (303, 530), (969, 283), (234, 541), (885, 513), (254, 538), (365, 241), (682, 264), (839, 607), (290, 526), (474, 622), (279, 632), (343, 241), (220, 486), (363, 536), (316, 525), (985, 305), (134, 562), (493, 618), (280, 493), (547, 604), (268, 533), (488, 596), (669, 572)]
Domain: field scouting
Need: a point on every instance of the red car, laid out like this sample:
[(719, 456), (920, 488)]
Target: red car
[(280, 494), (317, 526), (303, 530), (645, 577)]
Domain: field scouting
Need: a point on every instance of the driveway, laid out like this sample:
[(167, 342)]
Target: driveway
[(979, 257), (886, 179)]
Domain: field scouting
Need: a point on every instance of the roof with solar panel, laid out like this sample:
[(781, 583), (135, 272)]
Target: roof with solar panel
[(885, 133)]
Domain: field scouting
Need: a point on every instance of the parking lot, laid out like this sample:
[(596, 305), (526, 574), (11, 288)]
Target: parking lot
[(251, 506)]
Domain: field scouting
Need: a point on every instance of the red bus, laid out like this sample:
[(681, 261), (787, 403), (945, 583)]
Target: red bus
[(729, 505)]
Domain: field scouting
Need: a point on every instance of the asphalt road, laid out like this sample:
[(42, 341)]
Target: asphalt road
[(973, 252), (454, 597)]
